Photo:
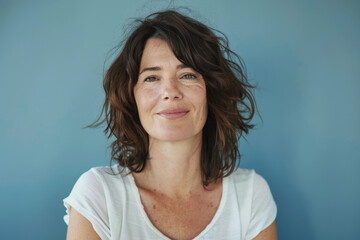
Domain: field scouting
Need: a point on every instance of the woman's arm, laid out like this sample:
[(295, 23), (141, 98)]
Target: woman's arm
[(80, 228), (268, 233)]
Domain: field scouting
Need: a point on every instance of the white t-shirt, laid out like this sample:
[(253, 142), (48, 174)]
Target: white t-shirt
[(112, 204)]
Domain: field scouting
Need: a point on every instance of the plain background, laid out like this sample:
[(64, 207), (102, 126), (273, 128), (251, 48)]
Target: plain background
[(303, 55)]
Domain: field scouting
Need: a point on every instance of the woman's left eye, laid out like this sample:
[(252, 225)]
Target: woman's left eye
[(189, 76)]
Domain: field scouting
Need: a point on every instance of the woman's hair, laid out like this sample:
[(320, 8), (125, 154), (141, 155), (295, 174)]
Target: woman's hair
[(231, 104)]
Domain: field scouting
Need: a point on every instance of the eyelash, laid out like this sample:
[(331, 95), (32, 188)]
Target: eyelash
[(192, 76), (151, 77), (186, 76)]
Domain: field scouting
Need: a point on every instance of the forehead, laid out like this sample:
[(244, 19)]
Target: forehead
[(157, 52), (153, 45)]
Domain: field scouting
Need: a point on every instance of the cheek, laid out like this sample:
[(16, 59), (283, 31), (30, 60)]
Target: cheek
[(200, 102), (204, 106), (145, 101), (204, 110), (200, 98)]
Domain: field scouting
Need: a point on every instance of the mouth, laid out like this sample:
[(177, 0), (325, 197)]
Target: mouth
[(173, 113)]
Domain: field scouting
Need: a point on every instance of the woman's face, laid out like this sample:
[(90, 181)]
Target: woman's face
[(170, 97)]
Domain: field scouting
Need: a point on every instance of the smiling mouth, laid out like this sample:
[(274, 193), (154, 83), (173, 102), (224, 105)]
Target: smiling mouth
[(173, 113)]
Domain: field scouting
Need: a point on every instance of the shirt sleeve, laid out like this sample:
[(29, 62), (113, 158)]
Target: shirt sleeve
[(263, 208), (87, 197)]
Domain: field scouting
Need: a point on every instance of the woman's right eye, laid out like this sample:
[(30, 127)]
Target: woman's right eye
[(150, 79)]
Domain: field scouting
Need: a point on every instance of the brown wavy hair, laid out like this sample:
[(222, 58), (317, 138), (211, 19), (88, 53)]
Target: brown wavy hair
[(231, 104)]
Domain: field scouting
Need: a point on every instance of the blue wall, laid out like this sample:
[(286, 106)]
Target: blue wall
[(304, 56)]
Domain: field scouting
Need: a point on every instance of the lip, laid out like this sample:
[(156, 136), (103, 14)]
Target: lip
[(173, 113)]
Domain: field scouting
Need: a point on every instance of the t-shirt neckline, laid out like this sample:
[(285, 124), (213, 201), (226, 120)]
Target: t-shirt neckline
[(157, 231)]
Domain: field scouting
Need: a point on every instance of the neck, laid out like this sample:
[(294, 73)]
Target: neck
[(173, 168)]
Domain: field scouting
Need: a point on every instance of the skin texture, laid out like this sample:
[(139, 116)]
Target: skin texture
[(170, 186), (268, 233), (80, 228), (165, 84), (174, 144)]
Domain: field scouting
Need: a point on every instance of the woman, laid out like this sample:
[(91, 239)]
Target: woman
[(177, 103)]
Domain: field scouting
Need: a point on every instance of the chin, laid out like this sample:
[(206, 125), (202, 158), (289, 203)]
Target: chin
[(174, 136)]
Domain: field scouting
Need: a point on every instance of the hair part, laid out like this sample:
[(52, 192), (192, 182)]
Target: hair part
[(231, 104)]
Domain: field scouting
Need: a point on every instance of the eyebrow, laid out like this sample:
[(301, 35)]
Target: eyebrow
[(180, 66)]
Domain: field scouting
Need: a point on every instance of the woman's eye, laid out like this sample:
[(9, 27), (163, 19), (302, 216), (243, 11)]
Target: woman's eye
[(150, 79), (189, 76)]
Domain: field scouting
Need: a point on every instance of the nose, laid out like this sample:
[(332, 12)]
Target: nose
[(171, 90)]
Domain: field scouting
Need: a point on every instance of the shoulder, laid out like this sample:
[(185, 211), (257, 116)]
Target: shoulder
[(99, 183), (251, 186), (249, 178), (255, 195), (100, 175), (95, 186), (242, 174), (106, 170), (93, 197)]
